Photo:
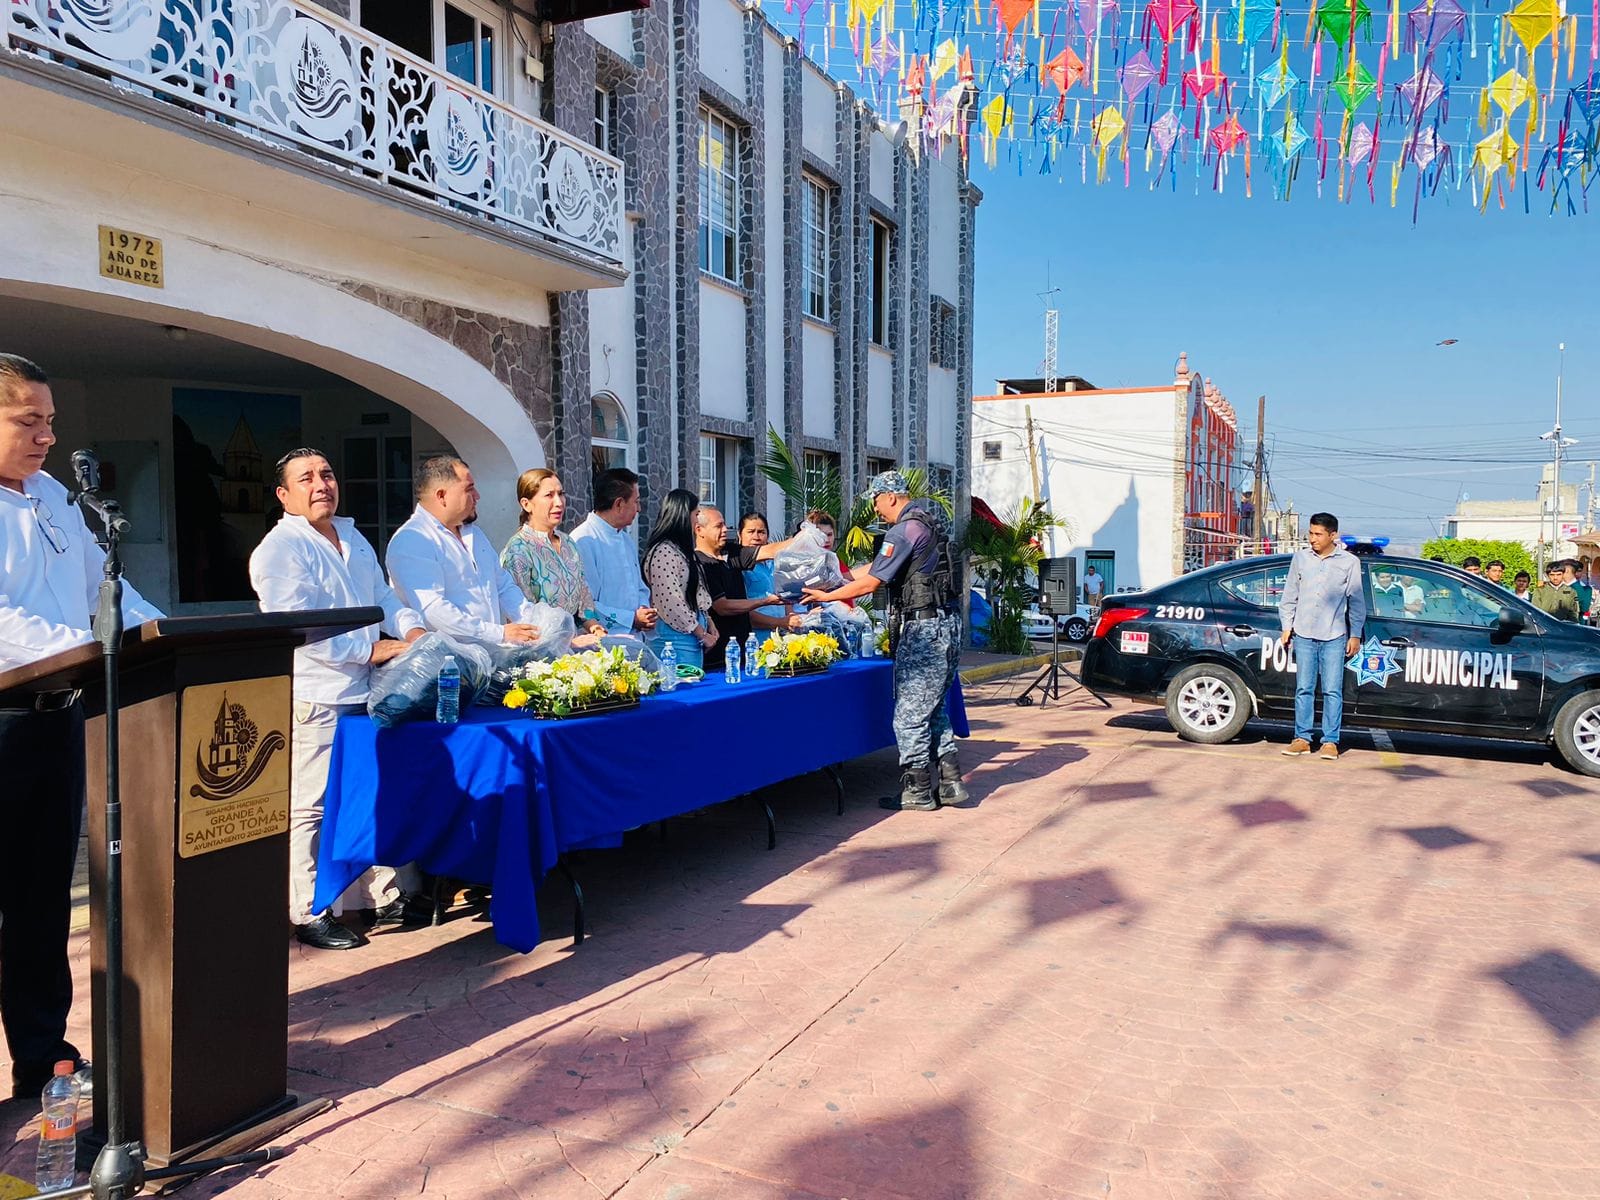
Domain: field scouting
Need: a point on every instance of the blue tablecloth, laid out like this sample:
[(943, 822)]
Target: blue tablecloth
[(499, 797)]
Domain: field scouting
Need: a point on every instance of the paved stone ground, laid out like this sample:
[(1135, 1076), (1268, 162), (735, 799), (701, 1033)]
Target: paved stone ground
[(1133, 968)]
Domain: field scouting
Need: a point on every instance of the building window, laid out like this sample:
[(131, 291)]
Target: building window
[(605, 120), (820, 466), (942, 333), (375, 483), (880, 283), (610, 442), (991, 452), (719, 196), (877, 466), (719, 473), (815, 221), (455, 35)]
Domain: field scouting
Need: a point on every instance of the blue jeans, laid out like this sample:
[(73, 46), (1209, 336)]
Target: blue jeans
[(688, 648), (1316, 662)]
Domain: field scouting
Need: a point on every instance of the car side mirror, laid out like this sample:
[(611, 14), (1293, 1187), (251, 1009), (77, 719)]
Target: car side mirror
[(1510, 621)]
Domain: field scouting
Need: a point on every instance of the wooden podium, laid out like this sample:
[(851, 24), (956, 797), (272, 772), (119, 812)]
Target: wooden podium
[(206, 728)]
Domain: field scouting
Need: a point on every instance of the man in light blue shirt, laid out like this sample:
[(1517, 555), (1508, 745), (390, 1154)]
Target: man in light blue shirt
[(610, 557), (1323, 610)]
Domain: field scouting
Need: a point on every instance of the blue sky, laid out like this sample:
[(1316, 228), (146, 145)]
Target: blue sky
[(1332, 310)]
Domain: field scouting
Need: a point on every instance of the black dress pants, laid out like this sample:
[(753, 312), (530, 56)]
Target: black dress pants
[(41, 815)]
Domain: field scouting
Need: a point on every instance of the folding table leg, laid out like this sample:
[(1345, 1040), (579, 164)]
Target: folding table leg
[(772, 826), (838, 783), (577, 902), (438, 898)]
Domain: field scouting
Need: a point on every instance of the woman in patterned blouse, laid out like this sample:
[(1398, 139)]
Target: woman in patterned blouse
[(543, 563), (677, 588)]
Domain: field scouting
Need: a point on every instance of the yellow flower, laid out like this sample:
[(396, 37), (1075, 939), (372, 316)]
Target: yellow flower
[(620, 686), (515, 698)]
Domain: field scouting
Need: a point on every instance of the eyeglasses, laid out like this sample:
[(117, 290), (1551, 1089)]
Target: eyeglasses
[(53, 533)]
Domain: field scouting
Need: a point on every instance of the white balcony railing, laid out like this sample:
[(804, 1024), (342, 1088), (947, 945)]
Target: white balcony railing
[(291, 72)]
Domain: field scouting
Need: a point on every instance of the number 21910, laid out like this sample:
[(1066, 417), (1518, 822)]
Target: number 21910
[(1180, 612)]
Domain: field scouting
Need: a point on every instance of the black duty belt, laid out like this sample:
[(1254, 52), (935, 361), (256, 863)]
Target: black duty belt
[(43, 702), (921, 614)]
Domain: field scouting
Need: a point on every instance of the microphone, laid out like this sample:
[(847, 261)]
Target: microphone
[(86, 473), (86, 470)]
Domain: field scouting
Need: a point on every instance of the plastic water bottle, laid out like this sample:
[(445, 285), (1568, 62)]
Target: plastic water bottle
[(57, 1163), (669, 667), (869, 642), (752, 657), (730, 660), (448, 709)]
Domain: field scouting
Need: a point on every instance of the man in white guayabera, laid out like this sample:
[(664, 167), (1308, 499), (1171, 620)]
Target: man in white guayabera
[(314, 559)]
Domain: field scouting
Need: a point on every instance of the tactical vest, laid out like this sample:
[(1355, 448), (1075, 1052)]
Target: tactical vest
[(915, 591)]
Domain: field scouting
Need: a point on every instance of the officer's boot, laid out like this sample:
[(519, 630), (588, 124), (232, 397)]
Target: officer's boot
[(916, 792), (951, 790)]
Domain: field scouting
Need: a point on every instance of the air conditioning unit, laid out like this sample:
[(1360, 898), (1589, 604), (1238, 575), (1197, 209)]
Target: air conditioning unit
[(559, 12)]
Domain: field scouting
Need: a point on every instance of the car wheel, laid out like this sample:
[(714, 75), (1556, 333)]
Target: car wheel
[(1578, 732), (1207, 703), (1077, 630)]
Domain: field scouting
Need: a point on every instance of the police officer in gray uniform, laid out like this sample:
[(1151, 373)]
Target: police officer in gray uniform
[(918, 565)]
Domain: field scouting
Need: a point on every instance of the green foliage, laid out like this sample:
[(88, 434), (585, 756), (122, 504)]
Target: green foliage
[(1005, 557), (785, 466), (1454, 550)]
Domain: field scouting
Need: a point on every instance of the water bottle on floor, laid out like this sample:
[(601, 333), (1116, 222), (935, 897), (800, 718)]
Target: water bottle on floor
[(56, 1166), (730, 662), (669, 667), (448, 709), (752, 657)]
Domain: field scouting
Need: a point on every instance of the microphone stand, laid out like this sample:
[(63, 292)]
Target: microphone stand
[(119, 1170)]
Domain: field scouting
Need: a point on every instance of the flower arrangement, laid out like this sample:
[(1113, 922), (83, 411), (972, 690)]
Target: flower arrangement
[(574, 683), (797, 653), (882, 637)]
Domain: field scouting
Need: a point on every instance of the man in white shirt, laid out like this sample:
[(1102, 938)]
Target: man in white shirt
[(610, 558), (443, 566), (312, 559), (50, 572)]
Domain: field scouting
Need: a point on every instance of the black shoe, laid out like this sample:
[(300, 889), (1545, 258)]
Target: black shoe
[(327, 934), (406, 909), (28, 1079), (916, 794), (951, 790)]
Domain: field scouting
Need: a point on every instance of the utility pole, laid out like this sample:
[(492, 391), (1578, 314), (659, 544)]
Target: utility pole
[(1033, 452), (1557, 445), (1261, 448)]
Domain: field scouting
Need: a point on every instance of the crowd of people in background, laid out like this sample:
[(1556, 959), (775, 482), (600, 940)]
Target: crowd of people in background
[(1565, 592)]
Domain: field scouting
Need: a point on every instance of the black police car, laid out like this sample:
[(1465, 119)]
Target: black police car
[(1443, 651)]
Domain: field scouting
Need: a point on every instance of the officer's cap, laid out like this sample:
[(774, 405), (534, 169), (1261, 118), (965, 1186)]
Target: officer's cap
[(887, 483)]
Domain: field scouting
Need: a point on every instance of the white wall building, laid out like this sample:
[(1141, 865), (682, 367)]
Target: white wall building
[(1129, 469), (1527, 522)]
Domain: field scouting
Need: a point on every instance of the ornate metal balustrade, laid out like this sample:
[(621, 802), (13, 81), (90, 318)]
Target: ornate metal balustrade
[(294, 73)]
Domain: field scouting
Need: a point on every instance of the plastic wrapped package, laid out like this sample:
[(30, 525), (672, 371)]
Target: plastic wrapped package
[(804, 563), (407, 688), (843, 623), (556, 631)]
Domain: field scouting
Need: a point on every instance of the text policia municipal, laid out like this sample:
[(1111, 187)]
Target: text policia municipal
[(1422, 664)]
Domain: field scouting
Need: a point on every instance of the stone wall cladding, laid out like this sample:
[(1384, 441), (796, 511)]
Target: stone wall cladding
[(852, 285), (899, 291), (970, 198), (793, 324), (570, 71), (915, 236), (646, 120), (753, 221), (686, 197), (519, 355)]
